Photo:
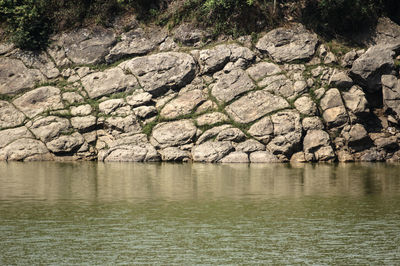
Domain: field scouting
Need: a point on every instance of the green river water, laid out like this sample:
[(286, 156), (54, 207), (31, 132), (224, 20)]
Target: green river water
[(184, 214)]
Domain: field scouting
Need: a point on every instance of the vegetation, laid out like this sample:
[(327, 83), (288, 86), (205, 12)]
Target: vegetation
[(29, 23)]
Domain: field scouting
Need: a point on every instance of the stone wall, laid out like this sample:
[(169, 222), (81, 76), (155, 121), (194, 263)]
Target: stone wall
[(101, 94)]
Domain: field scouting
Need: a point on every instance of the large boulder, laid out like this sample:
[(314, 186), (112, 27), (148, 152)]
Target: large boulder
[(66, 143), (355, 100), (172, 134), (25, 149), (211, 151), (39, 100), (375, 62), (37, 60), (85, 46), (391, 94), (136, 42), (188, 34), (334, 111), (262, 130), (163, 71), (255, 105), (235, 157), (9, 135), (184, 104), (10, 116), (15, 77), (317, 144), (263, 69), (230, 85), (48, 128), (289, 44), (110, 81)]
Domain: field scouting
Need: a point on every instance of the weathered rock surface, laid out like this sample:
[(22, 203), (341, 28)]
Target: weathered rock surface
[(211, 119), (25, 149), (289, 44), (15, 77), (334, 111), (184, 104), (9, 115), (174, 154), (317, 143), (211, 151), (160, 72), (263, 157), (235, 157), (39, 100), (66, 143), (9, 135), (172, 134), (263, 69), (188, 34), (391, 94), (111, 81), (255, 105), (47, 128)]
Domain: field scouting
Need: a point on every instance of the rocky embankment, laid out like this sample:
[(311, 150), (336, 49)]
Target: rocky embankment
[(107, 95)]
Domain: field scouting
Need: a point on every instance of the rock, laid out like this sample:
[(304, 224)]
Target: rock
[(174, 154), (72, 97), (211, 119), (386, 31), (184, 104), (263, 69), (262, 130), (6, 47), (47, 128), (15, 77), (289, 44), (391, 94), (136, 42), (249, 146), (110, 81), (334, 112), (330, 58), (168, 45), (81, 110), (305, 105), (160, 72), (231, 85), (85, 46), (170, 134), (317, 142), (312, 123), (144, 112), (83, 123), (211, 151), (211, 133), (387, 143), (25, 149), (263, 157), (138, 99), (355, 100), (39, 100), (109, 106), (368, 68), (287, 133), (235, 157), (356, 134), (239, 53), (206, 106), (344, 156), (66, 143), (212, 60), (371, 155), (341, 80), (128, 124), (37, 60), (188, 34), (349, 58), (255, 105), (9, 115), (231, 134), (9, 135), (298, 157)]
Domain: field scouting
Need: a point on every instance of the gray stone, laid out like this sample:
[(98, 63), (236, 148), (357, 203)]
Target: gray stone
[(368, 68), (235, 157), (25, 149), (330, 58), (230, 85), (136, 42), (349, 58), (174, 154), (138, 99), (47, 128), (81, 110), (317, 143), (341, 80), (249, 146), (355, 100), (289, 44), (211, 133), (356, 133), (263, 69), (262, 130), (255, 105), (298, 157), (188, 34), (231, 134), (37, 60), (39, 100), (263, 157), (144, 112), (83, 123), (66, 143), (391, 94), (184, 104), (387, 143), (305, 105), (211, 151), (170, 134), (312, 123), (168, 45), (109, 106), (160, 72), (9, 115), (110, 81), (212, 60), (211, 119), (128, 124), (334, 112), (72, 97), (9, 135), (15, 77)]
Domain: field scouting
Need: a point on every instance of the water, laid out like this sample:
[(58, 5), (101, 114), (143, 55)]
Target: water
[(122, 213)]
